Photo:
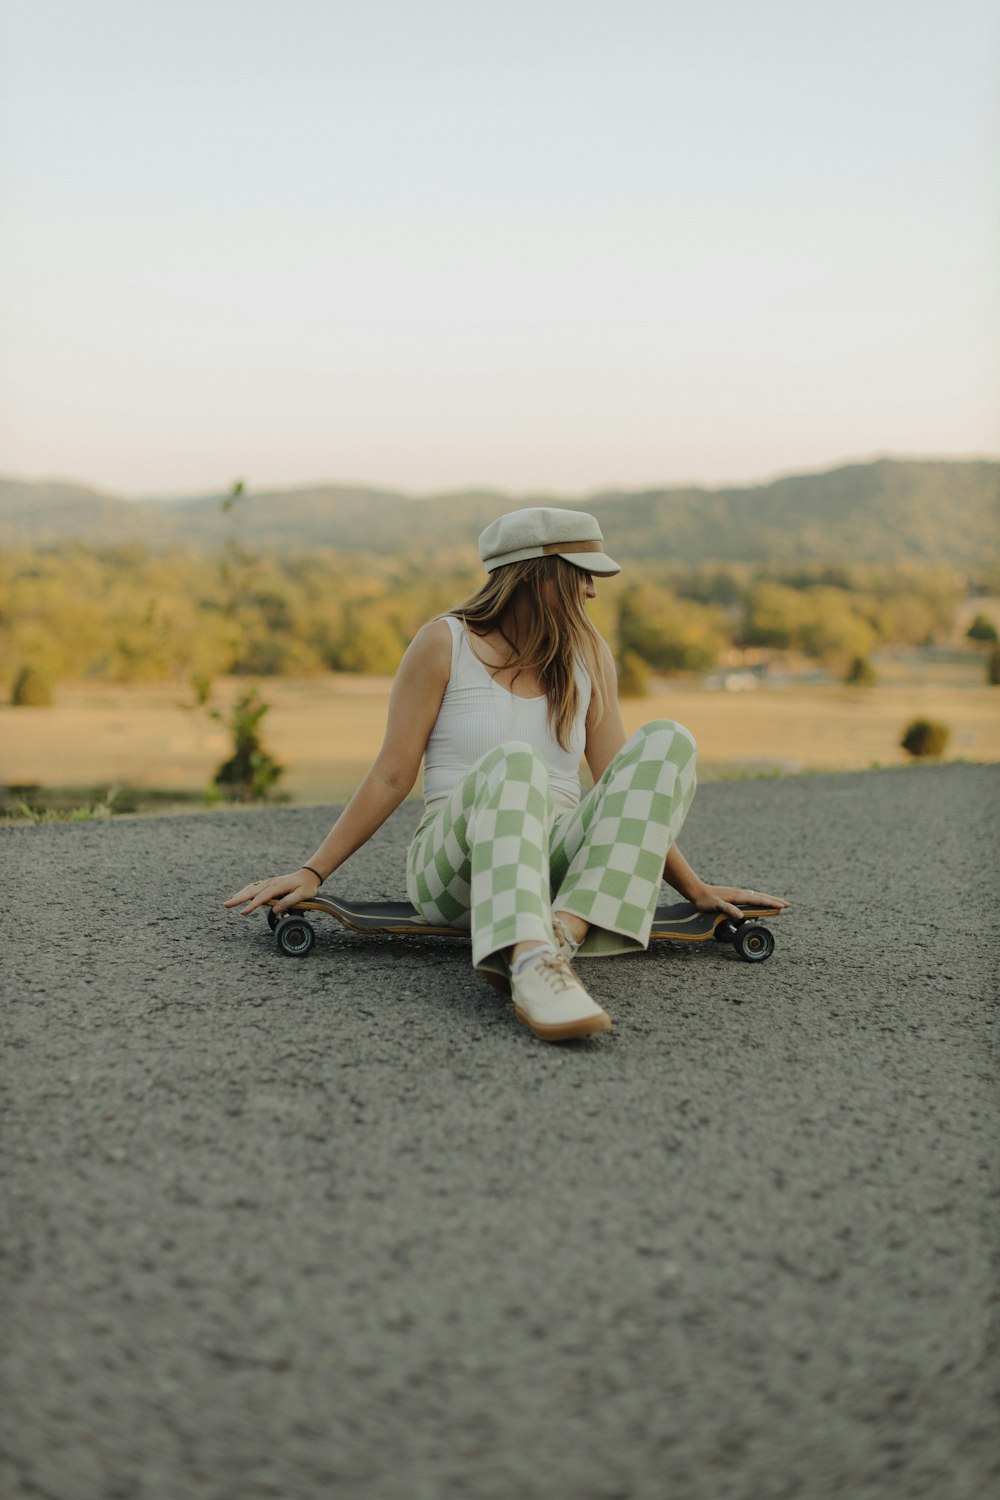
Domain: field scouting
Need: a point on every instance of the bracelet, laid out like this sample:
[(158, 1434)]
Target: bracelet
[(319, 877)]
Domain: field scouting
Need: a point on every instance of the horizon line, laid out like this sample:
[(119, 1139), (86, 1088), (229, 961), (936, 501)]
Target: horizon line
[(485, 489)]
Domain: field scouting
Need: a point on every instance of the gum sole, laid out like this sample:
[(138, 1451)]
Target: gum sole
[(586, 1026)]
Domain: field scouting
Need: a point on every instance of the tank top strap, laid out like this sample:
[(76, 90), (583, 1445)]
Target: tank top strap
[(457, 633)]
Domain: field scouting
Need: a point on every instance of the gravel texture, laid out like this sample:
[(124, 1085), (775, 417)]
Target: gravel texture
[(338, 1227)]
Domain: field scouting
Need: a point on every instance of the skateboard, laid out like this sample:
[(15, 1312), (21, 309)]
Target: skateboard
[(677, 923)]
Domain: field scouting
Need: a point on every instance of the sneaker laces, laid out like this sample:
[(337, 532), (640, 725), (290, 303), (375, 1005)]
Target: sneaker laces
[(532, 956), (558, 972), (567, 942)]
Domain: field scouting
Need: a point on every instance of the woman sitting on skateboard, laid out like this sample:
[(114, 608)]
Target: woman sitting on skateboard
[(500, 699)]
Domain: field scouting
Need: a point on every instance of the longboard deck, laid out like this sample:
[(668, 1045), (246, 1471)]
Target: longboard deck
[(679, 921)]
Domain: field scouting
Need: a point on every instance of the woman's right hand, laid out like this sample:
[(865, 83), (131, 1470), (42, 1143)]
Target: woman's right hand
[(280, 892)]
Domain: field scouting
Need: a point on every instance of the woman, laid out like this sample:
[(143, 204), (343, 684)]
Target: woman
[(500, 699)]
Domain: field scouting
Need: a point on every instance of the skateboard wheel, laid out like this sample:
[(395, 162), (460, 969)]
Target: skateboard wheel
[(754, 943), (272, 918), (295, 936), (726, 931)]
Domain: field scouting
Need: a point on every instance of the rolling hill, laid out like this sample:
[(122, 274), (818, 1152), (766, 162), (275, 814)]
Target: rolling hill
[(889, 510)]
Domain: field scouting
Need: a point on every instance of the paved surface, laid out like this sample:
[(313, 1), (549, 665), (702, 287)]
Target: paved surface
[(337, 1227)]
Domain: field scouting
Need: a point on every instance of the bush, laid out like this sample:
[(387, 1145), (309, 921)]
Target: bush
[(993, 668), (861, 673), (251, 772), (32, 689), (925, 737), (982, 629)]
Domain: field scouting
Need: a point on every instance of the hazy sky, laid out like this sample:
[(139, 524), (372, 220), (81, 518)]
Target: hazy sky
[(529, 244)]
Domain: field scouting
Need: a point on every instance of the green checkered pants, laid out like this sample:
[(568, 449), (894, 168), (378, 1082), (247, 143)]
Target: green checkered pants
[(499, 856)]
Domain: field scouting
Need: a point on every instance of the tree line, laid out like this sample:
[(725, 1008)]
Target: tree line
[(128, 614)]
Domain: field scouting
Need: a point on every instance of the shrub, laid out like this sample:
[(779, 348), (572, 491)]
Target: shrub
[(861, 673), (251, 772), (993, 668), (982, 629), (925, 737), (32, 689)]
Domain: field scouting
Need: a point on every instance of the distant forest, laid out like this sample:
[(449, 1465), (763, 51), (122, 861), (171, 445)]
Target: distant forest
[(831, 566), (126, 614)]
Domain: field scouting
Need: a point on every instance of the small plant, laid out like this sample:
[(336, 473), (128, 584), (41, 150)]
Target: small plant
[(982, 629), (861, 673), (251, 772), (201, 685), (925, 738), (993, 667), (32, 689), (88, 812)]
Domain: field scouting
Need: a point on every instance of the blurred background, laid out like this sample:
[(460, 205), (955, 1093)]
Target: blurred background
[(295, 297)]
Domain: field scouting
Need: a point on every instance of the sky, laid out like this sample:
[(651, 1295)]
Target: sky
[(531, 245)]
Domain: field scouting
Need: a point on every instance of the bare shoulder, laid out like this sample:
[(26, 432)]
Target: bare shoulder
[(429, 653), (434, 638)]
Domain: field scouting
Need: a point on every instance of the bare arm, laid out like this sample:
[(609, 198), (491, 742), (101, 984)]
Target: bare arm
[(605, 735), (413, 707)]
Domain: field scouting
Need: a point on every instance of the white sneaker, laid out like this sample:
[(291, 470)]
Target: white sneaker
[(551, 1001)]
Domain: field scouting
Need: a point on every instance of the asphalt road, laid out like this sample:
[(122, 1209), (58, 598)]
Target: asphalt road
[(338, 1227)]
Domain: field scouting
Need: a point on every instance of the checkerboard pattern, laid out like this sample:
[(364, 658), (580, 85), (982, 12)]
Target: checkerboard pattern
[(499, 856), (606, 856), (481, 861)]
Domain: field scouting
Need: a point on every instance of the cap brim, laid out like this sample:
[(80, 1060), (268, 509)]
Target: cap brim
[(598, 563)]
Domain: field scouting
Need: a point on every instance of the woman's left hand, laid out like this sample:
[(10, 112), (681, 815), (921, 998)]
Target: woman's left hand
[(725, 897)]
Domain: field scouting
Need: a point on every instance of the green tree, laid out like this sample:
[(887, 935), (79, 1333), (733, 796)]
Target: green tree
[(371, 643), (832, 630), (902, 619), (32, 689), (669, 634), (775, 616), (633, 676)]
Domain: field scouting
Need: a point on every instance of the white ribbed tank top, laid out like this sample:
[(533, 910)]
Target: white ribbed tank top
[(477, 714)]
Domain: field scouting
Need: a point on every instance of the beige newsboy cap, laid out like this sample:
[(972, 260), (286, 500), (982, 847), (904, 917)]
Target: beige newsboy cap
[(543, 531)]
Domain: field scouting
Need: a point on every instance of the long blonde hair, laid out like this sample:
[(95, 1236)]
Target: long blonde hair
[(559, 633)]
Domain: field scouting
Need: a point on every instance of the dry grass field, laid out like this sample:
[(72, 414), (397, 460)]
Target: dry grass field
[(325, 730)]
